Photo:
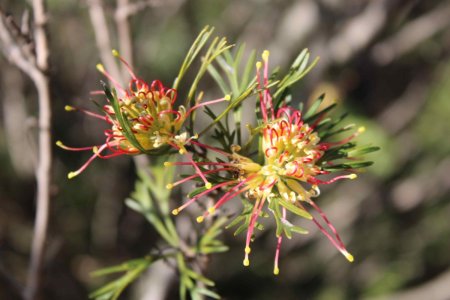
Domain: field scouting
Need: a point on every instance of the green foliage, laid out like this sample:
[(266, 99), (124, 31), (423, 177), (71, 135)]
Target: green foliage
[(189, 283), (299, 211), (215, 48), (209, 242), (236, 81), (234, 77), (151, 199), (143, 202), (195, 49), (222, 132), (244, 218), (337, 157), (133, 269), (283, 226), (297, 71)]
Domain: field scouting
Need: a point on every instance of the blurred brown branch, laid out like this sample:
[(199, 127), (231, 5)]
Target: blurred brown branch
[(35, 65), (125, 9), (123, 27), (412, 34), (359, 31), (102, 38), (18, 124), (406, 108)]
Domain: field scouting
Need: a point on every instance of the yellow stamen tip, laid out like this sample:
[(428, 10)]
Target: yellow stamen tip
[(227, 97), (258, 65), (72, 175), (175, 211), (95, 149), (276, 271), (208, 185), (361, 129), (59, 144), (115, 53), (265, 55), (182, 151), (352, 176), (169, 186), (235, 148), (195, 137), (167, 164), (69, 108), (348, 256), (200, 219), (100, 68), (211, 210), (247, 250), (246, 262)]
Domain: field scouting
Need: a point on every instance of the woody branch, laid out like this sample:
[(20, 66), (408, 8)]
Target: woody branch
[(15, 46)]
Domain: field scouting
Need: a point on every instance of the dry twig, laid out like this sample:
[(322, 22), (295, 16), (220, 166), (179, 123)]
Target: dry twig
[(35, 65)]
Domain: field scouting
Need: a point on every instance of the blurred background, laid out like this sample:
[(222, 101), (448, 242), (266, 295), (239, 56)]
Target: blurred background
[(386, 61)]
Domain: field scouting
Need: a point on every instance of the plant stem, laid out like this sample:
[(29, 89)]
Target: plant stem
[(43, 170)]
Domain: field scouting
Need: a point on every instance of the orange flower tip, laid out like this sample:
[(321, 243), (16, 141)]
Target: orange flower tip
[(72, 175), (175, 211), (265, 55), (200, 219), (211, 210), (115, 53), (258, 65), (247, 250), (276, 271), (348, 256), (69, 108), (208, 185), (100, 67), (227, 97), (246, 262), (352, 176), (361, 129), (167, 164)]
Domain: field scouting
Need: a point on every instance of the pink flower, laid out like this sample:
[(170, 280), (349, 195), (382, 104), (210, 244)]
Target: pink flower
[(286, 179), (142, 119)]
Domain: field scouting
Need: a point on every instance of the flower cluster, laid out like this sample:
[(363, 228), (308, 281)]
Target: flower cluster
[(290, 154), (142, 119), (287, 178)]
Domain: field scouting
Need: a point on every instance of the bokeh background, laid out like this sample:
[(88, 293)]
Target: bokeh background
[(386, 61)]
